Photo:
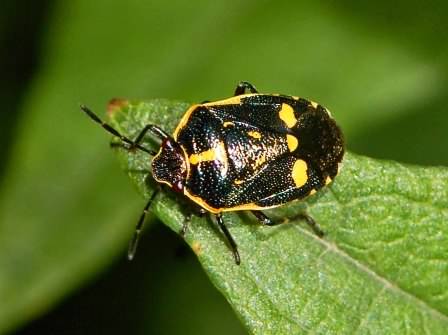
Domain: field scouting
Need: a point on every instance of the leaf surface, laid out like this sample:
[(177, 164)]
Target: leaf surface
[(381, 267)]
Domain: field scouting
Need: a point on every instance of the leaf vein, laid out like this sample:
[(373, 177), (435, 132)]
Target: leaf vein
[(383, 281)]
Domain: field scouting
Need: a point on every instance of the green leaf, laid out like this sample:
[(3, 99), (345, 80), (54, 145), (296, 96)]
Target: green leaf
[(382, 267)]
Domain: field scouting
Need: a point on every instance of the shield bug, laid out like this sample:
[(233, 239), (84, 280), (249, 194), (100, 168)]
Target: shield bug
[(249, 152)]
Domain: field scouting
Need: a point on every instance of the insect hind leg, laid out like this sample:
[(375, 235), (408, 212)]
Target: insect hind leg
[(311, 223), (265, 220), (243, 86)]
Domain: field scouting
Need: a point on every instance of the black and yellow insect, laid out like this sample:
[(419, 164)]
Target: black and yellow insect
[(249, 152)]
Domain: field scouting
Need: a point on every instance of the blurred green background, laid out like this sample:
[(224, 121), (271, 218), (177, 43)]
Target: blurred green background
[(66, 209)]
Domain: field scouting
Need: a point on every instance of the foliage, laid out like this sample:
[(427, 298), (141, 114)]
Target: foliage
[(66, 211)]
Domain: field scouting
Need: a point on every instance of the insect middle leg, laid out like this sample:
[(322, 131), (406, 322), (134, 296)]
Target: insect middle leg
[(229, 238), (308, 219)]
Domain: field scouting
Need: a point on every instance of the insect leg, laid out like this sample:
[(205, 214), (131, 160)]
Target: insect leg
[(229, 238), (243, 86), (153, 129), (157, 131), (185, 225), (187, 221), (264, 219), (114, 132), (138, 228), (308, 219), (310, 222)]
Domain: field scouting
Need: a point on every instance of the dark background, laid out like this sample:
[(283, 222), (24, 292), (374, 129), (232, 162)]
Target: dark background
[(67, 210)]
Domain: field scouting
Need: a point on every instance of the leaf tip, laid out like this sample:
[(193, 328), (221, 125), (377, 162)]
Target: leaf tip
[(116, 104)]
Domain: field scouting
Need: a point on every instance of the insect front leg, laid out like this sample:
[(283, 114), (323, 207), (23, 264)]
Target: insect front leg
[(138, 228), (155, 130), (243, 86), (113, 131)]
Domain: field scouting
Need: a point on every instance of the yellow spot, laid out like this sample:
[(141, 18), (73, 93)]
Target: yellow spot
[(328, 180), (228, 124), (287, 115), (314, 104), (292, 142), (260, 160), (254, 134), (299, 174), (197, 248), (238, 182), (313, 191), (215, 153)]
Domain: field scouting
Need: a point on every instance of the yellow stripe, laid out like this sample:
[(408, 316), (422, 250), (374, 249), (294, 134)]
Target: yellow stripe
[(215, 153), (208, 155), (249, 207), (201, 202), (244, 207), (184, 120), (236, 100)]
